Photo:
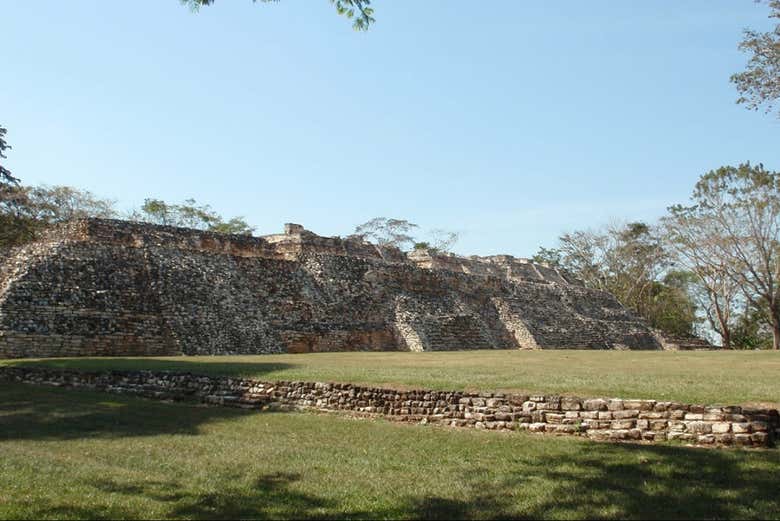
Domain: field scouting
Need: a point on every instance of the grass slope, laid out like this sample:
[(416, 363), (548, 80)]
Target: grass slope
[(77, 454), (711, 377)]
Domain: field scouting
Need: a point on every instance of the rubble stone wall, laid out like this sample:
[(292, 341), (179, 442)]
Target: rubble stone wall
[(104, 287), (595, 418)]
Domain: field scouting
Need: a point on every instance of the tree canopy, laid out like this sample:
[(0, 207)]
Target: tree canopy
[(759, 84), (359, 11), (189, 214)]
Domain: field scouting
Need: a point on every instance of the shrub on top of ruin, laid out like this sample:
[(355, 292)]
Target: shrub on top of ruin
[(189, 214), (398, 233)]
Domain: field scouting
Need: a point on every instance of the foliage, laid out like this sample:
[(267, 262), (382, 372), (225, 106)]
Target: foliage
[(53, 204), (751, 330), (731, 234), (387, 232), (5, 175), (15, 226), (189, 214), (548, 256), (759, 84), (41, 206), (398, 233), (360, 11), (630, 262)]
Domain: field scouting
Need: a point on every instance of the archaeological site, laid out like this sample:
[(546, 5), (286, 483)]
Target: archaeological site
[(114, 288)]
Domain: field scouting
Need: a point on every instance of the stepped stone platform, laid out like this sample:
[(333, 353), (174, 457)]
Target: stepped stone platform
[(113, 288)]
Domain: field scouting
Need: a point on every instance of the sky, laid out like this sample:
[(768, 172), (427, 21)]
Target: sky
[(510, 122)]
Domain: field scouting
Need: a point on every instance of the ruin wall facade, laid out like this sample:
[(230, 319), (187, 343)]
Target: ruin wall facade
[(114, 288)]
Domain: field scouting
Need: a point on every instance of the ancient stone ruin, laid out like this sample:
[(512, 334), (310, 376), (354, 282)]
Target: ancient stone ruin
[(611, 419), (104, 287)]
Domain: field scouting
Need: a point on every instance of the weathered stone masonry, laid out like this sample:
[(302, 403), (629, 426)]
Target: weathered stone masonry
[(597, 418), (103, 287)]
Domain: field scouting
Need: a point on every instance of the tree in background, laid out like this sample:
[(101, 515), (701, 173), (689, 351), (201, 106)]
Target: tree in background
[(189, 214), (53, 204), (694, 239), (733, 229), (15, 226), (759, 84), (360, 11), (440, 241), (398, 233), (630, 262), (387, 232)]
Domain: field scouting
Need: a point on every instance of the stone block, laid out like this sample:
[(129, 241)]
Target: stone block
[(570, 404), (623, 424), (597, 404), (721, 427), (759, 426), (699, 427)]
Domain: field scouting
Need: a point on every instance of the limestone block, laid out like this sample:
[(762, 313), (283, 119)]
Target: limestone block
[(623, 424), (721, 427), (595, 405), (699, 427)]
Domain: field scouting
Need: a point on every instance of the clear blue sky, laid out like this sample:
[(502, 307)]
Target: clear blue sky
[(509, 121)]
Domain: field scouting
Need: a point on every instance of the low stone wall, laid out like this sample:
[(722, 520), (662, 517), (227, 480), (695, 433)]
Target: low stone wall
[(596, 418)]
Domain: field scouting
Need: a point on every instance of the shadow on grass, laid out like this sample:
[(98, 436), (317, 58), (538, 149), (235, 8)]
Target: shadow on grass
[(539, 478), (245, 369), (29, 412), (266, 497), (626, 481), (702, 484)]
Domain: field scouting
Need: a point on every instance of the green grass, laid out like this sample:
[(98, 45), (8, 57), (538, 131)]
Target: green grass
[(79, 454), (711, 377)]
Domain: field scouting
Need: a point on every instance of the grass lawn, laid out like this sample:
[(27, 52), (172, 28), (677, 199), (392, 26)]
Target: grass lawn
[(79, 454), (711, 377)]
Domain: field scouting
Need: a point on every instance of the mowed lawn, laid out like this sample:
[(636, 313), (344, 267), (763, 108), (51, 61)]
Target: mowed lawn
[(709, 377), (79, 454)]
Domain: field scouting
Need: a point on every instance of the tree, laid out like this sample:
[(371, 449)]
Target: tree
[(694, 240), (630, 262), (759, 84), (387, 232), (360, 11), (732, 229), (5, 174), (52, 204), (15, 227), (548, 256), (189, 214)]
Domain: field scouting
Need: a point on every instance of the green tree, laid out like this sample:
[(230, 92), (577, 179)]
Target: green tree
[(16, 227), (53, 204), (189, 214), (630, 262), (359, 11), (759, 84)]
